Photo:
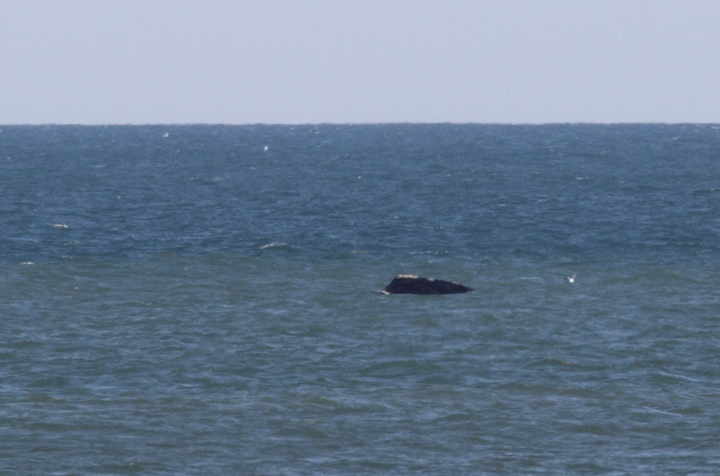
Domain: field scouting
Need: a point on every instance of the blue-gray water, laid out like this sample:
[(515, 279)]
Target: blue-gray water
[(203, 300)]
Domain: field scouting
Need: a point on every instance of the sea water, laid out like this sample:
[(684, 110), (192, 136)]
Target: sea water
[(203, 300)]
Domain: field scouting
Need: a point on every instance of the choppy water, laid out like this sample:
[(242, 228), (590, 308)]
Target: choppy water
[(182, 300)]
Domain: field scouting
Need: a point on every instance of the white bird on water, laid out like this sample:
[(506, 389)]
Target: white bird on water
[(571, 279)]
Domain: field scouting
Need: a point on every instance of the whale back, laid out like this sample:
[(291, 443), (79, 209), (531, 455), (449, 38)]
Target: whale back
[(411, 284)]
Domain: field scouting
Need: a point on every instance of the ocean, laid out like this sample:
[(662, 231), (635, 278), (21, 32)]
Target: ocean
[(203, 299)]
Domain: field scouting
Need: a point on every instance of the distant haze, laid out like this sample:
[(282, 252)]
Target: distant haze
[(358, 61)]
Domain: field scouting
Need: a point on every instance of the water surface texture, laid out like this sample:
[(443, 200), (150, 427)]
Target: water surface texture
[(187, 300)]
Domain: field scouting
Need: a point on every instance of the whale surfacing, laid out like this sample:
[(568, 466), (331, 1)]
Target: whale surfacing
[(411, 284)]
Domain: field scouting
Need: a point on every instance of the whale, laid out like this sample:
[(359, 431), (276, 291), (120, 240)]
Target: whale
[(411, 284)]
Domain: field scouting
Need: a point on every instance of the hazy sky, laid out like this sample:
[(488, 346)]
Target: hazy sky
[(311, 61)]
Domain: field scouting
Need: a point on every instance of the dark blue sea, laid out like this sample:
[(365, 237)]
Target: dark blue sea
[(203, 300)]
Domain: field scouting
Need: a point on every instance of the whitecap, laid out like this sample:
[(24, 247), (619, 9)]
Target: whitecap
[(272, 245), (59, 225)]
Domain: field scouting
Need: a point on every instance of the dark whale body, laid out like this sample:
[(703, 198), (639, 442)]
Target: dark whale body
[(409, 284)]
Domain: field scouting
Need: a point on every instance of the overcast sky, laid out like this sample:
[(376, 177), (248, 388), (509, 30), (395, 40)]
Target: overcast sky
[(350, 61)]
